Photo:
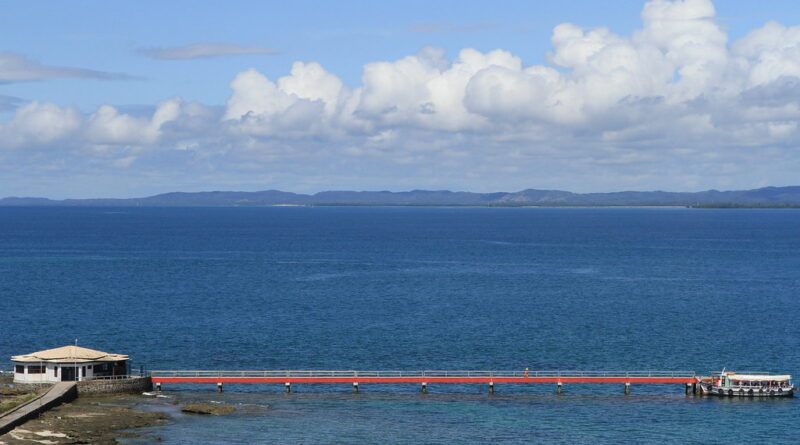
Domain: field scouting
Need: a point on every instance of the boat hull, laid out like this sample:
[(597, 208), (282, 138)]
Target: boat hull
[(709, 390)]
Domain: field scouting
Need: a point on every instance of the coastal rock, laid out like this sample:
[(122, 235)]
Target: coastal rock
[(207, 408), (94, 421)]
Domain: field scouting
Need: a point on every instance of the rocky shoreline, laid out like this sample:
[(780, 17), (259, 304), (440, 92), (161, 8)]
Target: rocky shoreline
[(95, 420), (102, 418), (108, 419)]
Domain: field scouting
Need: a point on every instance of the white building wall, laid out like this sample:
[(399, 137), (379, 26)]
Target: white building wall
[(49, 376)]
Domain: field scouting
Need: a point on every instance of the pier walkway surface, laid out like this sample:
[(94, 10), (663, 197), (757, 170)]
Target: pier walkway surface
[(59, 393), (424, 377)]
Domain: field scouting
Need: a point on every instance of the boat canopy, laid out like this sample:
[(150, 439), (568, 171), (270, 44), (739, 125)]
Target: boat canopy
[(759, 378)]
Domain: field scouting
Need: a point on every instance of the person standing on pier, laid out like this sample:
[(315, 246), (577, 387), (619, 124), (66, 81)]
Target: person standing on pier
[(526, 373)]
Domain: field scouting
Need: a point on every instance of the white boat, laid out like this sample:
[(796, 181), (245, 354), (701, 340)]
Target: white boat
[(751, 384)]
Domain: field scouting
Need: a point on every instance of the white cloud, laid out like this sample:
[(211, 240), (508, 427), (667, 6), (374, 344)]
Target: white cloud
[(769, 53), (660, 108), (303, 104), (39, 124), (311, 82), (108, 126), (253, 93), (203, 50)]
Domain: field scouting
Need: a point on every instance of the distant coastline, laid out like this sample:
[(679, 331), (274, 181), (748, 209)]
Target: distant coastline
[(767, 197)]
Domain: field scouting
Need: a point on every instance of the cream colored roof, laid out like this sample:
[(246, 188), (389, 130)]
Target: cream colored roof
[(69, 354)]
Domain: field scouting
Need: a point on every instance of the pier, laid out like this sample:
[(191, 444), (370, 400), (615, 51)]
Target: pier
[(687, 379)]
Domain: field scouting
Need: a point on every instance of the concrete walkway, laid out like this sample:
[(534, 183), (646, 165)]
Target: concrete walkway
[(60, 393)]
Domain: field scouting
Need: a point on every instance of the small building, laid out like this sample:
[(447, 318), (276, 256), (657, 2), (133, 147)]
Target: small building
[(68, 363)]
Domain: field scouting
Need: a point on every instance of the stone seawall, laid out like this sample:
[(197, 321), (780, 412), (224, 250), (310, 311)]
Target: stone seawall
[(34, 386), (133, 385)]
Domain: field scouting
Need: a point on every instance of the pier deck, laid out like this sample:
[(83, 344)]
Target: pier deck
[(424, 377)]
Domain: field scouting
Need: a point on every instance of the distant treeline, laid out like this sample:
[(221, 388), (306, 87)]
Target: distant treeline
[(734, 205), (767, 197)]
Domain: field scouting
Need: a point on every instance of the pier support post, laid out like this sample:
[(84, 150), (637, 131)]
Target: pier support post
[(688, 388), (694, 388), (355, 387), (158, 386), (219, 387), (288, 387), (424, 389), (627, 387), (558, 388), (491, 387)]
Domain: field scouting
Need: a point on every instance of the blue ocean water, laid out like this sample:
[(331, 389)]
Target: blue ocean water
[(421, 288)]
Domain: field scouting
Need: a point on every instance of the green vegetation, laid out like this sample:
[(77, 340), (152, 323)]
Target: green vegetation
[(17, 401)]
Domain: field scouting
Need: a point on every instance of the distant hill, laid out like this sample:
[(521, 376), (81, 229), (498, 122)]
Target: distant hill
[(763, 197)]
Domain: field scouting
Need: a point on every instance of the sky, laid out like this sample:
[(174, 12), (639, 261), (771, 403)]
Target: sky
[(115, 99)]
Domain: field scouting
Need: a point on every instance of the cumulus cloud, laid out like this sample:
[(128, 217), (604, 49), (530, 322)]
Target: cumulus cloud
[(308, 103), (39, 124), (18, 68), (203, 50), (672, 105)]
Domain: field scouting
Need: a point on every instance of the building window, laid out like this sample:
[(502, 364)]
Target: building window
[(35, 369), (19, 369), (55, 371)]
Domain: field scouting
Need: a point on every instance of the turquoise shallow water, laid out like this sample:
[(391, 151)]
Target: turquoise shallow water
[(421, 288)]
